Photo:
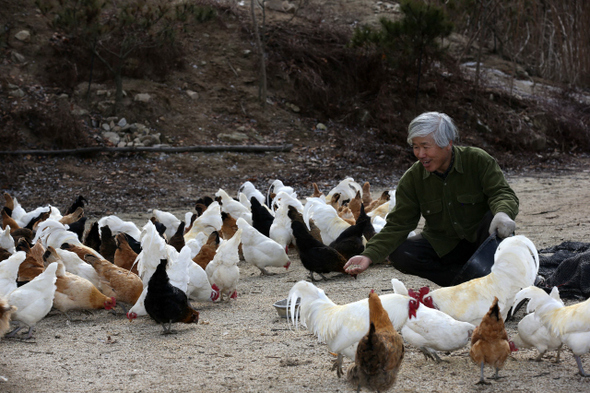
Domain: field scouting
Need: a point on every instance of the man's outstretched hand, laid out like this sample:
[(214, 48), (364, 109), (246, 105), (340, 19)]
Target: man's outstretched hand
[(357, 264)]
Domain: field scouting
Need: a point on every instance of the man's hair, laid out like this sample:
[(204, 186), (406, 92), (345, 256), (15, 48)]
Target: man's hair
[(438, 124)]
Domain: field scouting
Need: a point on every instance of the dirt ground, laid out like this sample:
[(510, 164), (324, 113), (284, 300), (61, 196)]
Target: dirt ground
[(242, 345)]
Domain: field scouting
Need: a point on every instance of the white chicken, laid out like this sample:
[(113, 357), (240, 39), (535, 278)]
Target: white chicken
[(169, 220), (33, 300), (326, 218), (280, 229), (233, 207), (250, 191), (285, 198), (516, 264), (199, 287), (7, 241), (76, 265), (207, 222), (117, 225), (571, 324), (341, 327), (223, 270), (9, 272), (531, 331), (432, 330), (53, 233), (260, 250), (275, 187), (347, 189)]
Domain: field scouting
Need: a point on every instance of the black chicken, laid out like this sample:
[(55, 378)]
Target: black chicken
[(165, 303), (350, 242), (261, 218)]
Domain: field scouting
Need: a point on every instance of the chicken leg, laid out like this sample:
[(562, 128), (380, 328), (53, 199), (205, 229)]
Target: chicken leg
[(580, 367), (338, 365), (482, 380)]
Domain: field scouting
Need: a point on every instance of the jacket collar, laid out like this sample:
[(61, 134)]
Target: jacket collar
[(456, 164)]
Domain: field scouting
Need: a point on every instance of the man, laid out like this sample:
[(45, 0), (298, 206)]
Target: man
[(463, 196)]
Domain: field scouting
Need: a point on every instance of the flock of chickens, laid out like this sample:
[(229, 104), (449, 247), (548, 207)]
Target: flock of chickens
[(51, 260)]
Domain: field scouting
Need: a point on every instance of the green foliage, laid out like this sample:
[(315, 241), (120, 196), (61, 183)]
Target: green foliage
[(406, 42)]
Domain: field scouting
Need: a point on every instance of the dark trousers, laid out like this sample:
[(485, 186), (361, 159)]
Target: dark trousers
[(416, 256)]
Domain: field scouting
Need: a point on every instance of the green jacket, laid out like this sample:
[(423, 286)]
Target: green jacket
[(452, 208)]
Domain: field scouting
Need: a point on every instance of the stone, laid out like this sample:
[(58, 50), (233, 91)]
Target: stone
[(17, 57), (106, 126), (113, 137), (233, 137), (142, 97), (122, 122), (192, 94), (17, 93), (321, 127), (77, 111), (23, 36)]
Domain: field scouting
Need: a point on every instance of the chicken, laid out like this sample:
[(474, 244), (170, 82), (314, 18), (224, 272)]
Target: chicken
[(295, 215), (326, 218), (5, 312), (74, 292), (531, 331), (207, 222), (169, 220), (380, 352), (262, 218), (8, 221), (199, 287), (228, 227), (92, 238), (347, 189), (275, 187), (383, 198), (55, 234), (117, 225), (167, 304), (341, 327), (115, 281), (315, 256), (350, 242), (571, 324), (516, 264), (108, 246), (35, 221), (223, 271), (177, 239), (252, 192), (33, 300), (355, 205), (72, 217), (7, 242), (33, 263), (366, 197), (489, 342), (260, 250), (78, 203), (76, 265), (431, 330), (316, 191), (233, 207), (78, 227), (124, 256), (208, 250), (280, 230), (9, 272)]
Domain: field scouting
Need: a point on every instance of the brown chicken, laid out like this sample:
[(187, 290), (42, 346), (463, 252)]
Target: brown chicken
[(7, 220), (378, 202), (295, 215), (228, 227), (5, 311), (380, 352), (33, 265), (489, 342), (208, 250), (115, 281), (74, 292), (124, 255), (355, 205), (80, 250), (316, 191), (72, 217), (9, 201), (366, 196), (34, 223)]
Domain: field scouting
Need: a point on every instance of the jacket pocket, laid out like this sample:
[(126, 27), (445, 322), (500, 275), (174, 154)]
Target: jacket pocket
[(470, 199), (431, 207)]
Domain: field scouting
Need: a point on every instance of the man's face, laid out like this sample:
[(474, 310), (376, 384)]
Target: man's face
[(432, 157)]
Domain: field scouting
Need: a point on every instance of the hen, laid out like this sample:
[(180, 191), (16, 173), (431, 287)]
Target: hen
[(252, 192), (350, 242), (208, 250), (124, 256), (33, 300), (33, 265), (262, 218), (489, 342), (280, 230), (9, 272), (516, 264), (74, 292), (167, 304), (571, 324), (115, 281), (177, 239), (223, 271), (108, 245), (531, 331), (7, 242), (5, 312), (315, 256), (260, 250), (380, 352), (207, 222), (170, 221), (326, 218), (232, 207)]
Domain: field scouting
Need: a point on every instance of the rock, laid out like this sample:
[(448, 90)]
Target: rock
[(77, 111), (17, 57), (113, 137), (233, 137), (321, 127), (122, 122), (150, 140), (23, 36), (192, 94), (142, 97), (106, 126), (17, 93), (293, 107)]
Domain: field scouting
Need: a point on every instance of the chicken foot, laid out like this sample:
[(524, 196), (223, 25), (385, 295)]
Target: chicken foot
[(168, 330), (580, 367), (482, 380), (264, 272), (431, 354), (337, 365)]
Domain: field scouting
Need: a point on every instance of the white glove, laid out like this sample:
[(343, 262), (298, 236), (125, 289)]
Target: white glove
[(502, 224)]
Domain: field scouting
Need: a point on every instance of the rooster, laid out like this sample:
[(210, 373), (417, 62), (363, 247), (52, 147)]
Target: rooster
[(571, 324), (167, 304), (341, 327), (260, 250), (33, 300), (516, 264), (531, 331), (489, 342), (379, 353), (326, 218), (223, 271)]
